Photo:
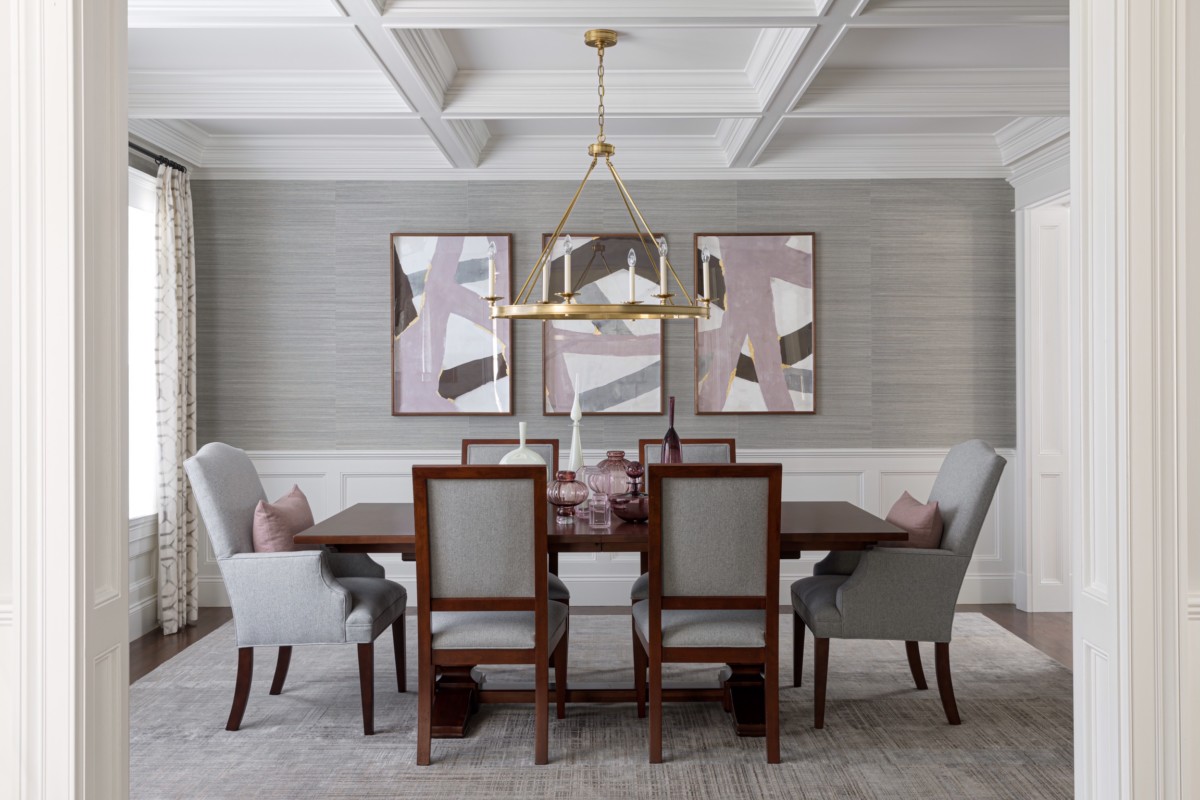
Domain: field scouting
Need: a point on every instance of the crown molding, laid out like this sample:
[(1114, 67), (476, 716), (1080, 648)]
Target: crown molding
[(262, 94), (431, 59), (732, 134), (234, 13), (473, 133), (179, 138), (772, 59), (935, 93), (933, 13), (1053, 158), (1024, 136), (562, 158), (509, 94)]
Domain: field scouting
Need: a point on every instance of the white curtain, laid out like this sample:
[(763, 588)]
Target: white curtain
[(176, 354)]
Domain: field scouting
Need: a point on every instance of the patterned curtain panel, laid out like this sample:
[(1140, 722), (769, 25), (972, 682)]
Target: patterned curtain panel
[(176, 351)]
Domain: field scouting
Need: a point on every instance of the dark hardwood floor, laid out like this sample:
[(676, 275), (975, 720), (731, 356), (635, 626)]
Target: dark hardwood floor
[(1050, 633)]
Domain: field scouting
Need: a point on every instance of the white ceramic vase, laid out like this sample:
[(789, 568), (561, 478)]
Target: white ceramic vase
[(522, 455)]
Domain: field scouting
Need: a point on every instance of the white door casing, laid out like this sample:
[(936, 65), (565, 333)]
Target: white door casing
[(65, 166)]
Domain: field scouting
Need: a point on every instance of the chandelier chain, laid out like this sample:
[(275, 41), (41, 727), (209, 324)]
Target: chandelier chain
[(600, 93)]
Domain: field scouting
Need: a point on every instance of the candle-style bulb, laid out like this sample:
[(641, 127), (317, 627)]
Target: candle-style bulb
[(492, 249), (704, 255), (631, 259), (567, 246), (662, 246)]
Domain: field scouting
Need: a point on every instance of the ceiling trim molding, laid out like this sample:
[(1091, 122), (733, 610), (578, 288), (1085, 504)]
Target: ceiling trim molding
[(935, 93), (265, 94), (1049, 159), (615, 14), (772, 59), (178, 138), (731, 135), (935, 13), (473, 133), (1023, 136), (431, 59)]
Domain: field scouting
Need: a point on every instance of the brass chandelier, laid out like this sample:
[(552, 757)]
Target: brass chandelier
[(525, 307)]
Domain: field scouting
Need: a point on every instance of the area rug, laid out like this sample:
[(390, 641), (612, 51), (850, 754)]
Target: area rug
[(882, 737)]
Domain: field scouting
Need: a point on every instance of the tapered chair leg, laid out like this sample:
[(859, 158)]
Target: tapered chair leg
[(914, 664), (640, 661), (424, 708), (771, 700), (656, 707), (241, 691), (798, 632), (366, 684), (560, 675), (941, 651), (821, 668), (398, 646), (541, 714), (281, 669)]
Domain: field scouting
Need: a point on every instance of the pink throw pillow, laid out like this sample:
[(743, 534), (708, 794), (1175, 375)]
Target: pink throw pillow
[(923, 521), (276, 524)]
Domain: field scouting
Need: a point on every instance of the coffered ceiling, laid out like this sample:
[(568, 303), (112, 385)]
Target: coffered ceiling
[(454, 89)]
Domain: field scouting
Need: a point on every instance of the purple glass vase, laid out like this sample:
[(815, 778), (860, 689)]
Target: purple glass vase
[(672, 450), (564, 493), (634, 505), (609, 477)]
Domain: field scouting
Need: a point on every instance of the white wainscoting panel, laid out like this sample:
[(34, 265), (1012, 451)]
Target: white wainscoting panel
[(872, 479), (143, 576)]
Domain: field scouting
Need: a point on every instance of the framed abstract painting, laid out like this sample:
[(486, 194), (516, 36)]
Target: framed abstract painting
[(755, 354), (617, 365), (448, 356)]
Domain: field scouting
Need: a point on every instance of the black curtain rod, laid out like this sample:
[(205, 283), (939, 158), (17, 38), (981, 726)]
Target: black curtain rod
[(158, 158)]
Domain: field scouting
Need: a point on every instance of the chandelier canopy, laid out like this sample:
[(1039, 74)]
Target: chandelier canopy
[(564, 304)]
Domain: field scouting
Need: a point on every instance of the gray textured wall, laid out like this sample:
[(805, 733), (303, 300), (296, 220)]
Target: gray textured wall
[(914, 317)]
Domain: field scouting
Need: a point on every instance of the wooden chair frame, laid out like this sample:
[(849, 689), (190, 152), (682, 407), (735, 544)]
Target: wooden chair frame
[(429, 659), (651, 655)]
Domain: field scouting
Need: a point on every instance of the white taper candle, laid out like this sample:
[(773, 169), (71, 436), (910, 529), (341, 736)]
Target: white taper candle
[(631, 260), (567, 265)]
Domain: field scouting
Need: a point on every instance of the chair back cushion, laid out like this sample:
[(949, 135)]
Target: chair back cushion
[(963, 491), (714, 539), (276, 524), (693, 452), (481, 537), (227, 491), (492, 452), (923, 522)]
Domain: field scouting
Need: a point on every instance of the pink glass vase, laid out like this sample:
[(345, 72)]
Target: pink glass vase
[(564, 493)]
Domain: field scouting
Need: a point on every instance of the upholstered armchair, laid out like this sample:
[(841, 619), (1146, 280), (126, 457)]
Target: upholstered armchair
[(290, 598), (899, 593)]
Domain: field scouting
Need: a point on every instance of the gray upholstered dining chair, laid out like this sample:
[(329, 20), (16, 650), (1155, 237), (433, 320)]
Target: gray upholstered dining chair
[(490, 451), (290, 598), (482, 592), (901, 593), (714, 581)]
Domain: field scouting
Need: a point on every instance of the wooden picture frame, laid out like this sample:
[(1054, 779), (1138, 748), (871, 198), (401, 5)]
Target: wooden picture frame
[(721, 341), (474, 378)]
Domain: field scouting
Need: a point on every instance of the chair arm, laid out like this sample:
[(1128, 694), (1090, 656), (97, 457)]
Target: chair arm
[(838, 562), (285, 598), (902, 593), (354, 565)]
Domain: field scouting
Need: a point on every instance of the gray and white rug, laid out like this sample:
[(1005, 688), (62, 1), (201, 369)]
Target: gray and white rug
[(882, 737)]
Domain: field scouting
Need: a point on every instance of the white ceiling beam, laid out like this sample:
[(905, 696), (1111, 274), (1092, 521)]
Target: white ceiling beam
[(263, 94), (817, 47), (408, 71), (936, 93), (586, 14), (939, 13)]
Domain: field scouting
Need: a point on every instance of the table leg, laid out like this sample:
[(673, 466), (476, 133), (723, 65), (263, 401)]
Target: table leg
[(745, 698), (455, 699)]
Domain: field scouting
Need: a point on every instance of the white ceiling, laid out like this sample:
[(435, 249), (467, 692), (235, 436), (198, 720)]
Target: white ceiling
[(454, 89)]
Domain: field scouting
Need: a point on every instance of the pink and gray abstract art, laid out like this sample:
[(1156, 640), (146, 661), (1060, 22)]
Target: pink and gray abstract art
[(754, 354), (448, 357), (615, 364)]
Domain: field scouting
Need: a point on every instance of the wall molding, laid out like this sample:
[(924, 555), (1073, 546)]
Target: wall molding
[(6, 615), (871, 478)]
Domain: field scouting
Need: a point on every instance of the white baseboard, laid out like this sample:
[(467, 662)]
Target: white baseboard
[(143, 576), (871, 479), (143, 617)]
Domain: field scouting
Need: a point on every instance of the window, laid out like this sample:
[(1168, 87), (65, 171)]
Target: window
[(143, 385)]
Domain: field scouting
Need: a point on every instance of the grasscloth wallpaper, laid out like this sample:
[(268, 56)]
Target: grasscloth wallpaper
[(915, 337)]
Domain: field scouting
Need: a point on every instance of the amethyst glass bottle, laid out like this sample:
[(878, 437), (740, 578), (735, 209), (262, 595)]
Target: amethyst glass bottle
[(672, 450)]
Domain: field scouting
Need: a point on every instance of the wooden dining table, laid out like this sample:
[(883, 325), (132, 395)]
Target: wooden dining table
[(804, 526)]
